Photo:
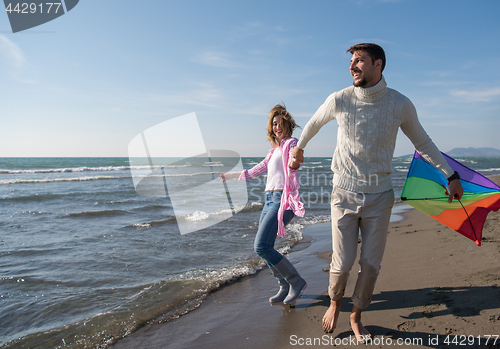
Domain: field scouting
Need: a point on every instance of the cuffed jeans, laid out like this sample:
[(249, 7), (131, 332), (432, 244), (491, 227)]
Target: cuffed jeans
[(351, 213), (268, 228)]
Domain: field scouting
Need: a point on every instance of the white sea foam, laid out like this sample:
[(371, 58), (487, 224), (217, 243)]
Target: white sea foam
[(403, 160), (95, 178), (294, 231), (177, 166), (178, 175), (142, 225), (212, 164), (214, 278), (493, 169), (49, 180), (470, 161), (315, 219), (68, 169), (97, 169), (255, 204), (197, 216)]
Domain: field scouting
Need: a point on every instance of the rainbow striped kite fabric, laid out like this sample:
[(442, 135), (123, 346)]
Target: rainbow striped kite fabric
[(425, 189)]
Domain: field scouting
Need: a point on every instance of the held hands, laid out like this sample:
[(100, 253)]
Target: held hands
[(298, 155), (455, 191)]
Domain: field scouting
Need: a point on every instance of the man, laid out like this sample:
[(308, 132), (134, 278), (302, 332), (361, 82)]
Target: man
[(369, 115)]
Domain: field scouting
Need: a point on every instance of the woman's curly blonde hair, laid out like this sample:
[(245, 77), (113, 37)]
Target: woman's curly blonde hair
[(287, 123)]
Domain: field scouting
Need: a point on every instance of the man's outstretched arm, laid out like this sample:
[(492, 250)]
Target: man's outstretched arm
[(323, 115)]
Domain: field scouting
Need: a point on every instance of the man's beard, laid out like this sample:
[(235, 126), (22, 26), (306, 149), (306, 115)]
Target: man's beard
[(361, 83)]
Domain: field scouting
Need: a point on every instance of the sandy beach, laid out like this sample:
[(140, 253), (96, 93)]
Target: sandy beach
[(436, 289)]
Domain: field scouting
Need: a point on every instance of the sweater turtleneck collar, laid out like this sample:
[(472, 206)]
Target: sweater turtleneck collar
[(374, 93)]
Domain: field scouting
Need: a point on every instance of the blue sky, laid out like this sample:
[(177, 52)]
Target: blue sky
[(88, 82)]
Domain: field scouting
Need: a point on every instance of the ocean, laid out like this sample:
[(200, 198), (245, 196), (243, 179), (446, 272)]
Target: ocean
[(85, 259)]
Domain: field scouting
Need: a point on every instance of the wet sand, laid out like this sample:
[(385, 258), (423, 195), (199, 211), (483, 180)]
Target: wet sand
[(436, 289)]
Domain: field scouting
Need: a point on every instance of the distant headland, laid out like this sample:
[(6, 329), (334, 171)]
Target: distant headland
[(475, 152)]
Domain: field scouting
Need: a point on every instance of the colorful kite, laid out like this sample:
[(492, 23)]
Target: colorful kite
[(425, 189)]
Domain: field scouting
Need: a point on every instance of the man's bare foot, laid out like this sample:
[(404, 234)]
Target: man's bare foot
[(362, 335), (331, 316)]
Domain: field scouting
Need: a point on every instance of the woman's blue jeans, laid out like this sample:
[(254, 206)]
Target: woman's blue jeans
[(268, 228)]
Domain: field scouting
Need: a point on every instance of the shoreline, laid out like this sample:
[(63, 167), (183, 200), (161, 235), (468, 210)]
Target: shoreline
[(434, 284)]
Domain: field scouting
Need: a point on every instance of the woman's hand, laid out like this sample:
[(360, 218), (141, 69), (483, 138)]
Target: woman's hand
[(229, 175)]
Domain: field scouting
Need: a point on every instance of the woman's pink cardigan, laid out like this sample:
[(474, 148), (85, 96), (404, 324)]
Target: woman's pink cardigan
[(290, 199)]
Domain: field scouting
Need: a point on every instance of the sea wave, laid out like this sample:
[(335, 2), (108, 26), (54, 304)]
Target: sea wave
[(249, 207), (200, 215), (39, 197), (169, 220), (197, 216), (135, 307), (96, 178), (316, 219), (156, 302), (213, 164), (104, 213), (52, 180), (493, 169), (466, 160), (151, 208), (68, 169), (142, 225), (35, 197), (96, 169)]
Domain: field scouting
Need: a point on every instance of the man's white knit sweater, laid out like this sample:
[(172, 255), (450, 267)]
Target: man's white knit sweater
[(369, 119)]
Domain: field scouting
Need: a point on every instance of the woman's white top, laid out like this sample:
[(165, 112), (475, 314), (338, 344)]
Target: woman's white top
[(275, 171)]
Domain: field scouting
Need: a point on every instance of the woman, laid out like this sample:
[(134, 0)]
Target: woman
[(282, 202)]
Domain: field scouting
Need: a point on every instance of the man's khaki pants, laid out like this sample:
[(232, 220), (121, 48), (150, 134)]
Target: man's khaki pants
[(351, 213)]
